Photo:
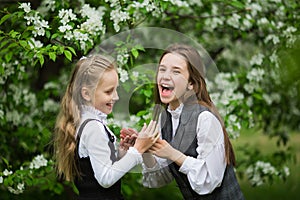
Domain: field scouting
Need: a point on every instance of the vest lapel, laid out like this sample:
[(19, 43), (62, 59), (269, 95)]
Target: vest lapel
[(185, 135)]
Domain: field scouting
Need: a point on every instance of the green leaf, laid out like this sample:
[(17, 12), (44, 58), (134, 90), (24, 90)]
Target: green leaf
[(68, 55), (55, 35), (61, 49), (147, 93), (13, 33), (139, 47), (8, 57), (52, 56), (48, 34), (72, 50), (237, 4), (135, 52), (4, 18), (5, 161), (41, 59), (23, 43)]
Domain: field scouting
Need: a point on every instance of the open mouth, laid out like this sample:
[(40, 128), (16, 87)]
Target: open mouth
[(166, 90)]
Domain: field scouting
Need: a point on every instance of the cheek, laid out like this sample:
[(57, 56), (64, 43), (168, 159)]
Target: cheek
[(180, 80)]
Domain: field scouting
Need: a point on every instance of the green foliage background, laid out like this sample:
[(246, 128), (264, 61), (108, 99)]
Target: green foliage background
[(254, 44)]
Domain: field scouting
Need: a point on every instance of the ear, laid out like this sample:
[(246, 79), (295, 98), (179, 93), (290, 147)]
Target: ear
[(190, 86), (85, 94)]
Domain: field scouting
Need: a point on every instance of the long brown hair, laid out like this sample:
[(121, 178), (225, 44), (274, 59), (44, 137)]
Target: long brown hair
[(196, 77), (87, 73)]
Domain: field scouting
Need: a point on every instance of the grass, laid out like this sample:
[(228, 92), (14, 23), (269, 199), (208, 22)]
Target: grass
[(279, 189)]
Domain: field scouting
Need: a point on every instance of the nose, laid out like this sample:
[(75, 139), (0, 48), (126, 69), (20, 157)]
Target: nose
[(115, 96), (166, 75)]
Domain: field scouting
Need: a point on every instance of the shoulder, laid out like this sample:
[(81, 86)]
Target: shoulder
[(93, 129), (207, 117)]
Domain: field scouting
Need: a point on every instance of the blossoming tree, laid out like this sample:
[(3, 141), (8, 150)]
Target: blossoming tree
[(254, 45)]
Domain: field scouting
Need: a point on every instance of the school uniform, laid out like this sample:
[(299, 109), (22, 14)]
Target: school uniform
[(100, 168), (195, 131)]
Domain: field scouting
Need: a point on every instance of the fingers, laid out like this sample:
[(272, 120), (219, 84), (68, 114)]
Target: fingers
[(156, 137), (143, 129), (132, 131), (151, 126)]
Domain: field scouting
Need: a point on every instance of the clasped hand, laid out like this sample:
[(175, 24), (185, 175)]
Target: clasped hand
[(143, 140)]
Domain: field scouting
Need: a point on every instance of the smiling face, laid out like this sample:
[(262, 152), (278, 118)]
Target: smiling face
[(106, 92), (172, 79)]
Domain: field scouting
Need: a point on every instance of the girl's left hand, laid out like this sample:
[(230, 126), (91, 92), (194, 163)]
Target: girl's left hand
[(163, 149)]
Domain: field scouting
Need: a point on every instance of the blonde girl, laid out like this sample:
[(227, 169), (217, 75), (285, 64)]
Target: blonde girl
[(85, 149)]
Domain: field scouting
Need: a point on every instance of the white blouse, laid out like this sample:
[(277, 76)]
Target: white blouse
[(94, 144), (205, 172)]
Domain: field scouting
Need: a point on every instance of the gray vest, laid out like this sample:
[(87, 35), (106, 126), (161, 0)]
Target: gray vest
[(185, 140)]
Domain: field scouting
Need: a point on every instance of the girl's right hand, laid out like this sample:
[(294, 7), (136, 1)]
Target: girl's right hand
[(147, 137)]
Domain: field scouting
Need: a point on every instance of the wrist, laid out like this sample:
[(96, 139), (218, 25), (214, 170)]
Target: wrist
[(177, 157), (139, 149)]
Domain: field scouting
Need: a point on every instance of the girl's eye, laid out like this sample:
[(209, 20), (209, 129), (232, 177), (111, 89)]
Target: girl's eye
[(176, 72), (161, 69)]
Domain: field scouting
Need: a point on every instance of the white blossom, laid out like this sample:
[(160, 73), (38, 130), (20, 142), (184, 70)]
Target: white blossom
[(255, 75), (66, 16), (1, 179), (257, 59), (94, 22), (7, 173), (46, 6), (254, 8), (118, 16), (135, 74), (178, 3), (262, 21), (273, 38), (258, 170), (122, 58), (286, 171), (39, 24), (20, 189), (50, 106), (234, 20), (123, 75), (195, 2), (37, 162), (26, 7), (65, 28), (68, 35), (35, 43)]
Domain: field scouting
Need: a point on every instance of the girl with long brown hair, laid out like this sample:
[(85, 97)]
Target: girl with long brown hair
[(195, 148), (85, 149)]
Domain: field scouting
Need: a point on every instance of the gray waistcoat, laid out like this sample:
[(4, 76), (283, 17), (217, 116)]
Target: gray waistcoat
[(185, 140)]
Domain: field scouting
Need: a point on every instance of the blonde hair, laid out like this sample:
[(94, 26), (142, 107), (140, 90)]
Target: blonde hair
[(87, 73)]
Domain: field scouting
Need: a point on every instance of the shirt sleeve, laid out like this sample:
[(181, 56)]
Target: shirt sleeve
[(95, 141), (157, 176), (206, 172)]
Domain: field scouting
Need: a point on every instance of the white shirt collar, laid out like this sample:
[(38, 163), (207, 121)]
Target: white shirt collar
[(176, 113), (92, 112)]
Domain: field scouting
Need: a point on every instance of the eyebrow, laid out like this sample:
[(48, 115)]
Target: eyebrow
[(174, 67)]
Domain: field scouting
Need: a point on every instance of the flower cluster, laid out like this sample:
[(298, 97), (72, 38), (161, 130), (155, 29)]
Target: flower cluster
[(34, 18), (15, 181), (261, 171)]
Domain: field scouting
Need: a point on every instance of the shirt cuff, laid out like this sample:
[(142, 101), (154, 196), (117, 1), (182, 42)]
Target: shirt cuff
[(134, 152), (156, 167), (186, 165)]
